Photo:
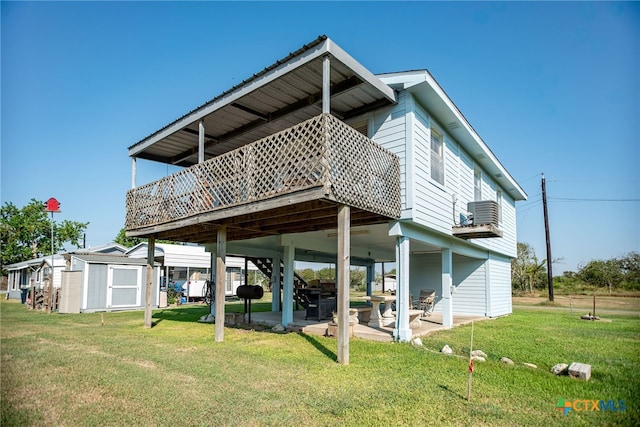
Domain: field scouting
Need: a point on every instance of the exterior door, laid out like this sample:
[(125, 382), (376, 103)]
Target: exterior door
[(124, 286)]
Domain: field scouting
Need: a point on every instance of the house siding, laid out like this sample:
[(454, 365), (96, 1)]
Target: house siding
[(440, 207), (389, 131), (500, 282), (469, 294)]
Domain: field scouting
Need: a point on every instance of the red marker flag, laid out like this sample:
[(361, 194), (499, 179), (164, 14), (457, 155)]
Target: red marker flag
[(470, 365)]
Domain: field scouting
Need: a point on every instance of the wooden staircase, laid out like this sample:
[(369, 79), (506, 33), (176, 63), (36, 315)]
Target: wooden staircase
[(265, 265)]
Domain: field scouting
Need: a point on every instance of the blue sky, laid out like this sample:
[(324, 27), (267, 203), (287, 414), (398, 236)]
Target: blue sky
[(551, 87)]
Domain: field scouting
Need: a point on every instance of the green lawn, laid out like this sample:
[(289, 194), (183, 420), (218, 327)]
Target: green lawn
[(72, 370)]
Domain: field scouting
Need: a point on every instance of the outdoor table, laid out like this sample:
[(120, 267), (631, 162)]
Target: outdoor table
[(377, 319)]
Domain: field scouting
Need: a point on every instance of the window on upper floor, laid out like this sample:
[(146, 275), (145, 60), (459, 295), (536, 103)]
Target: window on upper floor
[(477, 184), (437, 156)]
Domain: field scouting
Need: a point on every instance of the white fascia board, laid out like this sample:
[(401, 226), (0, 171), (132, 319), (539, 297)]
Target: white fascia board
[(360, 70), (404, 79)]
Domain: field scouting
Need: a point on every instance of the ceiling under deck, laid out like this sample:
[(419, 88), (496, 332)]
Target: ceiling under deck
[(280, 96), (313, 215)]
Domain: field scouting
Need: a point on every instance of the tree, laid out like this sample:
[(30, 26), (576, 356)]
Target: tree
[(26, 233), (127, 242), (630, 265), (526, 270), (601, 273)]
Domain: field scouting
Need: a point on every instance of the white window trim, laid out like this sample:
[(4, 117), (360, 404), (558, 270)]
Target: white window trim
[(477, 183), (439, 135)]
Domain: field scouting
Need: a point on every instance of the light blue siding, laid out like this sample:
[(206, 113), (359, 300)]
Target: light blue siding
[(500, 282), (389, 131), (469, 295)]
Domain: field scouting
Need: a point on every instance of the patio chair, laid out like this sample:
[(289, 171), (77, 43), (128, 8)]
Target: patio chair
[(426, 302)]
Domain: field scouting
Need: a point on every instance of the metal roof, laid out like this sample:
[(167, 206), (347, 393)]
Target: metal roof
[(282, 95), (97, 258)]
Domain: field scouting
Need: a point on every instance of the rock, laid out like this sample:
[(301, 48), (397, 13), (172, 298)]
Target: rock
[(278, 328), (478, 353), (507, 361), (530, 365), (209, 318), (582, 371), (417, 342), (559, 368), (478, 358), (446, 350)]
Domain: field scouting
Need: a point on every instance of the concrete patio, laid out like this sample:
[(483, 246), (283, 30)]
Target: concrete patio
[(361, 330)]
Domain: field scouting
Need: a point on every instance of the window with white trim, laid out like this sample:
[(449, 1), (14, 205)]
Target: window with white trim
[(437, 156), (477, 184)]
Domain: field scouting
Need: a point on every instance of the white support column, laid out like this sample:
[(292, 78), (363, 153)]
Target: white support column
[(447, 281), (326, 85), (134, 171), (402, 332), (201, 141), (151, 250), (275, 284), (371, 276), (221, 276), (287, 292), (343, 264)]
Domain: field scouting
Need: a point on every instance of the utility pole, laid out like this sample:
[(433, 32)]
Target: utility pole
[(546, 232)]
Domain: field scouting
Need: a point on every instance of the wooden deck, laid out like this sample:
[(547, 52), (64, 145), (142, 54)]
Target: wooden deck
[(289, 182), (363, 331)]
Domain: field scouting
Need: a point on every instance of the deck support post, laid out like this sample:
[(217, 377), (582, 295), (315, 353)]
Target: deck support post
[(402, 331), (447, 301), (151, 250), (343, 264), (201, 141), (134, 172), (221, 275), (326, 85), (275, 284), (287, 291), (212, 277)]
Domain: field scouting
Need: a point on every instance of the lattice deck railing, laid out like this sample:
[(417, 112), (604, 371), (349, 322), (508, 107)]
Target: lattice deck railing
[(320, 152)]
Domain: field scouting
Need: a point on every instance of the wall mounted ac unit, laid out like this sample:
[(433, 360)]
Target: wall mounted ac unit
[(484, 212)]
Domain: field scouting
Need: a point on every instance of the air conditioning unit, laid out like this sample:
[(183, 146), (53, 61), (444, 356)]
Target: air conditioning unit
[(484, 212)]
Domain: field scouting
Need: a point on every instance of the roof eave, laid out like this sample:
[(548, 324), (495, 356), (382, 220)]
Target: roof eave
[(422, 85)]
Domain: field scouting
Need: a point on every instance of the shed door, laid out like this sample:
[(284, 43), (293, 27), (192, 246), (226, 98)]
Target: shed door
[(124, 286)]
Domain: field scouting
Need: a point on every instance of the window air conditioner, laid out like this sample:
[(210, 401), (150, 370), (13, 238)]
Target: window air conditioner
[(484, 212)]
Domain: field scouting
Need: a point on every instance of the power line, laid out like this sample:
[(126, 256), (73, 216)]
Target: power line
[(570, 199)]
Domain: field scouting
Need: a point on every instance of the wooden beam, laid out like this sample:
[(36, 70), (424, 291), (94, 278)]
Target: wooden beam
[(221, 278), (342, 265), (338, 88), (151, 249), (251, 111)]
